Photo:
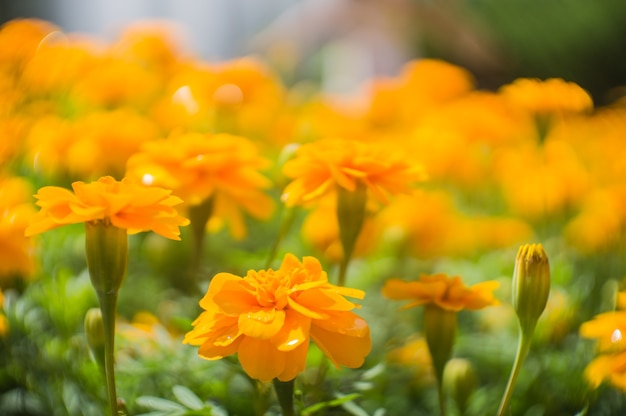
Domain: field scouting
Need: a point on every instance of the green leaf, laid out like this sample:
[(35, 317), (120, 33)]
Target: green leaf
[(331, 403), (187, 397), (157, 403)]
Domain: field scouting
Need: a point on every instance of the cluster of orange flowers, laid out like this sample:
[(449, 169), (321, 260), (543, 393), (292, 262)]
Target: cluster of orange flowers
[(162, 129)]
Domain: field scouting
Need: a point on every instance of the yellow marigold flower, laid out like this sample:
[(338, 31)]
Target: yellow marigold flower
[(97, 144), (611, 367), (324, 166), (449, 293), (66, 58), (113, 81), (15, 212), (609, 329), (125, 204), (200, 166), (19, 40), (551, 96), (269, 316)]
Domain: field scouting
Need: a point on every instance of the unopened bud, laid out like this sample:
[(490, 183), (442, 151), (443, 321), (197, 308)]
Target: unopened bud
[(459, 381), (94, 332), (531, 285)]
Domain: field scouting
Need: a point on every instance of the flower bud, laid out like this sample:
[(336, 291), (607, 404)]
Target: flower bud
[(106, 247), (94, 332), (459, 381), (531, 285)]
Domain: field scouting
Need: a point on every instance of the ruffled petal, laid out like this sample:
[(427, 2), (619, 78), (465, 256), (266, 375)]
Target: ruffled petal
[(342, 349), (260, 359), (262, 323), (294, 332), (295, 362)]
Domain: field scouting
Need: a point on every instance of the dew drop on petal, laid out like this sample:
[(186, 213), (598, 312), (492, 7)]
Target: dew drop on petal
[(147, 179), (616, 336)]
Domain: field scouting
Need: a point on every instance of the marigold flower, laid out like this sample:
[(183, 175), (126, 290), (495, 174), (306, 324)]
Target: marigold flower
[(19, 40), (324, 166), (125, 204), (551, 96), (199, 166), (449, 293), (268, 317), (608, 330), (15, 212)]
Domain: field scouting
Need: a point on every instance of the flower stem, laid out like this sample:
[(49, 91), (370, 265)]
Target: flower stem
[(285, 226), (350, 216), (199, 216), (108, 306), (522, 350), (284, 392)]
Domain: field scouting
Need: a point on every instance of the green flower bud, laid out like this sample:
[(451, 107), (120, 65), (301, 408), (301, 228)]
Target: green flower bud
[(459, 381), (106, 247), (531, 285), (94, 332)]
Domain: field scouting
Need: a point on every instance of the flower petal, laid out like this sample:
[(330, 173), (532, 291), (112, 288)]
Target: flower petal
[(342, 349), (260, 359), (261, 323)]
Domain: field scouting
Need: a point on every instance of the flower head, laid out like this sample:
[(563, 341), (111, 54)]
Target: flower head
[(123, 204), (449, 293), (531, 284), (199, 166), (268, 317), (324, 166), (15, 212), (608, 330), (551, 96)]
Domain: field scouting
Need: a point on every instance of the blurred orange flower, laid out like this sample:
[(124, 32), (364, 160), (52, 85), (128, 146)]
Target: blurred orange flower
[(4, 325), (124, 204), (15, 212), (319, 168), (551, 96), (269, 316), (19, 40), (448, 293), (96, 144), (608, 329), (200, 166)]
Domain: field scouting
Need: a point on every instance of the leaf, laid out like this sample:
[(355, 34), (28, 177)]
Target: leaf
[(157, 403), (187, 397), (331, 403)]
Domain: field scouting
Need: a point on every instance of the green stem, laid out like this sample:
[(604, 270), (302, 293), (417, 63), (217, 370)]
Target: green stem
[(343, 267), (199, 216), (108, 306), (522, 350), (350, 217), (284, 392), (285, 226)]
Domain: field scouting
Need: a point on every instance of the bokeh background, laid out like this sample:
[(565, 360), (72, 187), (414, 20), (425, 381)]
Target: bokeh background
[(342, 43)]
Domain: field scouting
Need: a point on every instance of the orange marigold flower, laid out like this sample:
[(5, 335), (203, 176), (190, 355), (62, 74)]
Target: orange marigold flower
[(449, 293), (200, 166), (321, 167), (16, 255), (125, 204), (608, 330), (551, 96), (611, 367), (269, 316)]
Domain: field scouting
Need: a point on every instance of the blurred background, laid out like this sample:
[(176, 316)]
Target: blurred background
[(342, 43)]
